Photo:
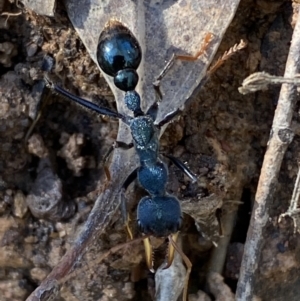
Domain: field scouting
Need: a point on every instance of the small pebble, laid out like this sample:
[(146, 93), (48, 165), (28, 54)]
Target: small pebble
[(20, 205)]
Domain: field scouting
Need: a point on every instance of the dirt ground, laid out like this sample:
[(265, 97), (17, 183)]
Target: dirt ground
[(222, 135)]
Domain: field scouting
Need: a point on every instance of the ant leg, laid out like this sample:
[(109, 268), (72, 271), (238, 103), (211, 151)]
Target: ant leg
[(125, 215), (169, 117), (123, 201), (83, 102), (148, 254), (122, 145), (43, 99), (40, 92), (182, 167), (171, 250), (191, 58), (95, 262), (152, 111), (186, 261), (116, 144)]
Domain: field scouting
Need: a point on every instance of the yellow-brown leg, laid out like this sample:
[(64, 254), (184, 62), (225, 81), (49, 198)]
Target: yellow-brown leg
[(191, 58)]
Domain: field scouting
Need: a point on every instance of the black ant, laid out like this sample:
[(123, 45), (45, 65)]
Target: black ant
[(158, 214)]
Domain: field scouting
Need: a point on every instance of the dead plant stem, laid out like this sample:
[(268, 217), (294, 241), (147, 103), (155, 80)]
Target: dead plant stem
[(280, 137)]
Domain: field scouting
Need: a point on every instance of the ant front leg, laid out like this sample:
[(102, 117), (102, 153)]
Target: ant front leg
[(83, 102), (190, 58), (168, 118)]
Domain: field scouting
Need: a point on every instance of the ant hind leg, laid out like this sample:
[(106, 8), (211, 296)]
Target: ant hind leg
[(177, 162)]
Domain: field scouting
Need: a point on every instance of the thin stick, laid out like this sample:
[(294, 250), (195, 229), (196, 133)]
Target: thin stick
[(188, 265), (99, 218), (218, 256), (99, 259), (282, 135), (10, 15), (293, 211)]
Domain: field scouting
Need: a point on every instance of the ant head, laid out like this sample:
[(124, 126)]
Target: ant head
[(142, 130), (159, 216)]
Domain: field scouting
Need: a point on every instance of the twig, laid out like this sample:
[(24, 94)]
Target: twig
[(99, 218), (261, 80), (95, 262), (281, 136), (293, 211), (10, 15), (218, 256)]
